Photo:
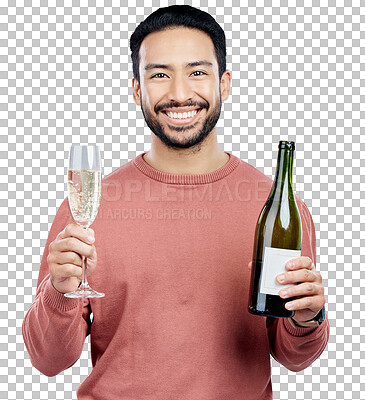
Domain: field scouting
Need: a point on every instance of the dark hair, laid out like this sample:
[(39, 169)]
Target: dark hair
[(174, 16)]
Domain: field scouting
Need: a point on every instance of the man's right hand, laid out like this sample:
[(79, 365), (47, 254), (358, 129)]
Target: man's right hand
[(64, 258)]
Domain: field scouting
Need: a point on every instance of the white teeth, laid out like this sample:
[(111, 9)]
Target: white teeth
[(184, 115)]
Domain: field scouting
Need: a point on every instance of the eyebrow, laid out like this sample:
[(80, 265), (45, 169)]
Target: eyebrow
[(167, 66)]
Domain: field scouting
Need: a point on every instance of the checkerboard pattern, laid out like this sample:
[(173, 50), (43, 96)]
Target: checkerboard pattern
[(298, 74)]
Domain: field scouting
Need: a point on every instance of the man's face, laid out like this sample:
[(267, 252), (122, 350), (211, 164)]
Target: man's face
[(180, 92)]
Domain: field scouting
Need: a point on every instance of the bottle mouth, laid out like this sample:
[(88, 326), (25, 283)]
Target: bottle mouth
[(283, 144)]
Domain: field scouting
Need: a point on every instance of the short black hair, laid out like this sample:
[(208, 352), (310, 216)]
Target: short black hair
[(175, 16)]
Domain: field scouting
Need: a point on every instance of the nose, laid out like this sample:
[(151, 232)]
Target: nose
[(180, 89)]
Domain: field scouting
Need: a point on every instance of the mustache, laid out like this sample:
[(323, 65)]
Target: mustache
[(171, 104)]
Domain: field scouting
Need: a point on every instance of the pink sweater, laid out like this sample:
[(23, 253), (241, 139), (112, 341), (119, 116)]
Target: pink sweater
[(172, 260)]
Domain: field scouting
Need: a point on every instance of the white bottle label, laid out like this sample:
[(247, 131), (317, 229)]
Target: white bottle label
[(274, 261)]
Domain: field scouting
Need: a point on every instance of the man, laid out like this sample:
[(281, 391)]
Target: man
[(170, 248)]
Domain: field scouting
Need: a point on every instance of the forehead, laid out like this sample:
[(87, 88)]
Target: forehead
[(177, 45)]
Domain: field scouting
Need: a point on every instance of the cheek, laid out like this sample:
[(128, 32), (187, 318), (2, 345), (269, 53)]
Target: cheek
[(210, 93), (145, 101), (150, 97)]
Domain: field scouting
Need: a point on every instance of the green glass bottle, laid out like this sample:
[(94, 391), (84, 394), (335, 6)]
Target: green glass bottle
[(278, 238)]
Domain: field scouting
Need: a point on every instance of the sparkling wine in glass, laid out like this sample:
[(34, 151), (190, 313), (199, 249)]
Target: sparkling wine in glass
[(84, 192)]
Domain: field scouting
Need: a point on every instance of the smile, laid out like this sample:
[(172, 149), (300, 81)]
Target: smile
[(184, 115), (182, 118)]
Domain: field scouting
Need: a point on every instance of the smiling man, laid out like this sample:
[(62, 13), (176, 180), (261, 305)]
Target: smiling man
[(180, 90), (171, 248)]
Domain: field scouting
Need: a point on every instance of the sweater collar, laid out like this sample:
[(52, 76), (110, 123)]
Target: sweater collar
[(186, 179)]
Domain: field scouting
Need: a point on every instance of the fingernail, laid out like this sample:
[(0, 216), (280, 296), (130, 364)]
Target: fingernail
[(281, 278), (94, 254), (90, 239), (284, 293), (289, 306)]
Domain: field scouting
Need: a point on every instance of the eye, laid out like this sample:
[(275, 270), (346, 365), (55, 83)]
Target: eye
[(198, 73), (159, 75)]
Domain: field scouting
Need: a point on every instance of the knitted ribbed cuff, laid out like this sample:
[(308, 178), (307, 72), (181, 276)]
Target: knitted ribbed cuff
[(57, 299), (298, 331)]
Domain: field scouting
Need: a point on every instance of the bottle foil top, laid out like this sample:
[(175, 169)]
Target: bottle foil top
[(283, 144)]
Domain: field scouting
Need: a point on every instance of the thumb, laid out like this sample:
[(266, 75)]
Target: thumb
[(92, 261)]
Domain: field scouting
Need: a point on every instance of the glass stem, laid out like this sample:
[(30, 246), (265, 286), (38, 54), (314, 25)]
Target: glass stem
[(84, 283)]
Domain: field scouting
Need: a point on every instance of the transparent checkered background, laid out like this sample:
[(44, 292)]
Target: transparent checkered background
[(298, 74)]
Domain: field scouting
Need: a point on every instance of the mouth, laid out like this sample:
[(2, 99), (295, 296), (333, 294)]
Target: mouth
[(181, 116)]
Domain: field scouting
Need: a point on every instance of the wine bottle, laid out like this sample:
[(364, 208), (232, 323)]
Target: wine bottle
[(278, 238)]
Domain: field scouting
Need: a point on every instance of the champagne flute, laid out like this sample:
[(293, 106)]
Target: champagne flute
[(84, 192)]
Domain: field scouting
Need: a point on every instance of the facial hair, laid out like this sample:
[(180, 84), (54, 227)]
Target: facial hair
[(194, 141)]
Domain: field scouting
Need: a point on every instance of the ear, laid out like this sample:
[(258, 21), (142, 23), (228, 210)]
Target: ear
[(136, 91), (225, 84)]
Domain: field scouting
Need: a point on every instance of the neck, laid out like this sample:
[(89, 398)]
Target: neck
[(203, 158), (283, 175)]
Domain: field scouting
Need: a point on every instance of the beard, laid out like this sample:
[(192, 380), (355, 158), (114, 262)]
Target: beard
[(194, 140)]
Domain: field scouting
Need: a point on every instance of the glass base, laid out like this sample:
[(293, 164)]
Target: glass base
[(84, 293)]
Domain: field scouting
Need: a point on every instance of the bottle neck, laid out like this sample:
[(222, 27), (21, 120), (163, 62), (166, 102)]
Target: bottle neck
[(284, 175)]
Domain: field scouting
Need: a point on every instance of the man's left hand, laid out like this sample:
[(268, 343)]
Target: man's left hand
[(308, 286)]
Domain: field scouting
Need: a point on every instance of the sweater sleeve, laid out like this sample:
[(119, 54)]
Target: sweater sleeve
[(55, 327), (297, 348)]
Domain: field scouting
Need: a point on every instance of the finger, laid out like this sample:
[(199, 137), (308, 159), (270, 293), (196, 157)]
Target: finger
[(91, 263), (75, 245), (74, 230), (309, 302), (303, 289), (302, 275), (250, 265), (299, 263), (93, 257), (90, 266), (69, 257), (66, 271)]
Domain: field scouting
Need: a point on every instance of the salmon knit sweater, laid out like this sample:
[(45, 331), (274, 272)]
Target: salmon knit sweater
[(172, 252)]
